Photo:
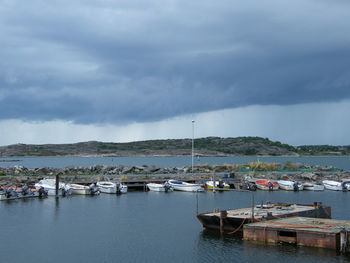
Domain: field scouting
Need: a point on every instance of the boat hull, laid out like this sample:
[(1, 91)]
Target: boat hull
[(313, 187), (49, 186), (107, 187), (235, 219), (185, 187), (158, 188), (108, 190), (333, 185), (289, 186), (80, 189), (216, 185), (264, 185)]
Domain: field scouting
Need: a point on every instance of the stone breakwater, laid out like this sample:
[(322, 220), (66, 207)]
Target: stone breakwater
[(92, 170), (100, 172)]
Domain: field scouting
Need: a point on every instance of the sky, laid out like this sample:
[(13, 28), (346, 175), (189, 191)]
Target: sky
[(119, 71)]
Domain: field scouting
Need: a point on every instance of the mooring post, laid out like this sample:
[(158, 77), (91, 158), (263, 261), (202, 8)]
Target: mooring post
[(57, 183), (253, 219), (343, 241), (197, 202), (223, 215)]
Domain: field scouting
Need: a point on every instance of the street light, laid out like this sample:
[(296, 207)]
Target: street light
[(192, 143)]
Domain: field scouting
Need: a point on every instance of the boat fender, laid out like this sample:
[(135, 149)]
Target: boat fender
[(221, 184), (270, 185)]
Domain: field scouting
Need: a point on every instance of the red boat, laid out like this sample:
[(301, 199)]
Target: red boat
[(266, 185)]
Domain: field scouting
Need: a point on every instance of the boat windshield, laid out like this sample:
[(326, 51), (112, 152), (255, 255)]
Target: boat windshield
[(176, 182)]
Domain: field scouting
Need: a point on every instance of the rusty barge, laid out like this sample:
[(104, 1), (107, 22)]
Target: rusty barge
[(301, 231), (233, 220)]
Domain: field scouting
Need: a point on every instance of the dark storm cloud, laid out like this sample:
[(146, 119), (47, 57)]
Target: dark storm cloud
[(116, 61)]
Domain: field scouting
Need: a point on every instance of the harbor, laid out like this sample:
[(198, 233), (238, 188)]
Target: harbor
[(144, 221), (237, 208)]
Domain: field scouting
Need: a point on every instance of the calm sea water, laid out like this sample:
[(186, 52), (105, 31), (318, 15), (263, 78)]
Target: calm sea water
[(32, 162), (146, 227)]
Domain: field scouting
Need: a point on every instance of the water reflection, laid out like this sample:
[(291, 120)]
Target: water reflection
[(57, 205), (213, 246), (151, 227)]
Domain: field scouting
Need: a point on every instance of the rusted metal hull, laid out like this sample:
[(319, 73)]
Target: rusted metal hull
[(232, 223), (301, 231), (322, 240)]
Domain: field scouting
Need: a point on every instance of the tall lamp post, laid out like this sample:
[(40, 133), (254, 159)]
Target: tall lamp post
[(192, 143)]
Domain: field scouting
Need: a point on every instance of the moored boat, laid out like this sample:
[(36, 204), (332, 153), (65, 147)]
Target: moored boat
[(263, 184), (107, 187), (159, 187), (12, 193), (78, 189), (122, 188), (290, 185), (335, 186), (49, 186), (183, 186), (217, 185), (313, 187)]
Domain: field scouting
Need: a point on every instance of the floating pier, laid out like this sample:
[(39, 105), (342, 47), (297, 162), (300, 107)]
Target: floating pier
[(301, 231), (233, 220), (4, 198)]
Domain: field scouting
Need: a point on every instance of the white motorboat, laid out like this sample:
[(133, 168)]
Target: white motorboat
[(335, 186), (122, 188), (107, 187), (159, 187), (216, 185), (78, 189), (313, 187), (49, 186), (183, 186), (290, 185)]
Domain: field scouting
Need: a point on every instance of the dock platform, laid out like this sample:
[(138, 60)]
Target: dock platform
[(4, 198), (232, 220), (301, 231)]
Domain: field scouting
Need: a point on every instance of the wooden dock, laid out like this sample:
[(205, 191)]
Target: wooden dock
[(3, 198)]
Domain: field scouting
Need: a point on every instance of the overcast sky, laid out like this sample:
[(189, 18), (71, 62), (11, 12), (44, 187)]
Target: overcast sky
[(133, 70)]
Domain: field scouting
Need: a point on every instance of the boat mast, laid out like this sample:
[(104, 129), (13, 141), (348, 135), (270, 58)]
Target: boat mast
[(192, 143)]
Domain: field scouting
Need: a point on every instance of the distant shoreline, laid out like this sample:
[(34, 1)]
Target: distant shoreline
[(2, 158), (203, 147)]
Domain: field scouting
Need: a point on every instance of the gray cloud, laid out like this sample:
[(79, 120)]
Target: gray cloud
[(116, 61)]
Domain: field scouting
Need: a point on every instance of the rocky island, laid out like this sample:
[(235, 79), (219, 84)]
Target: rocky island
[(209, 146)]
